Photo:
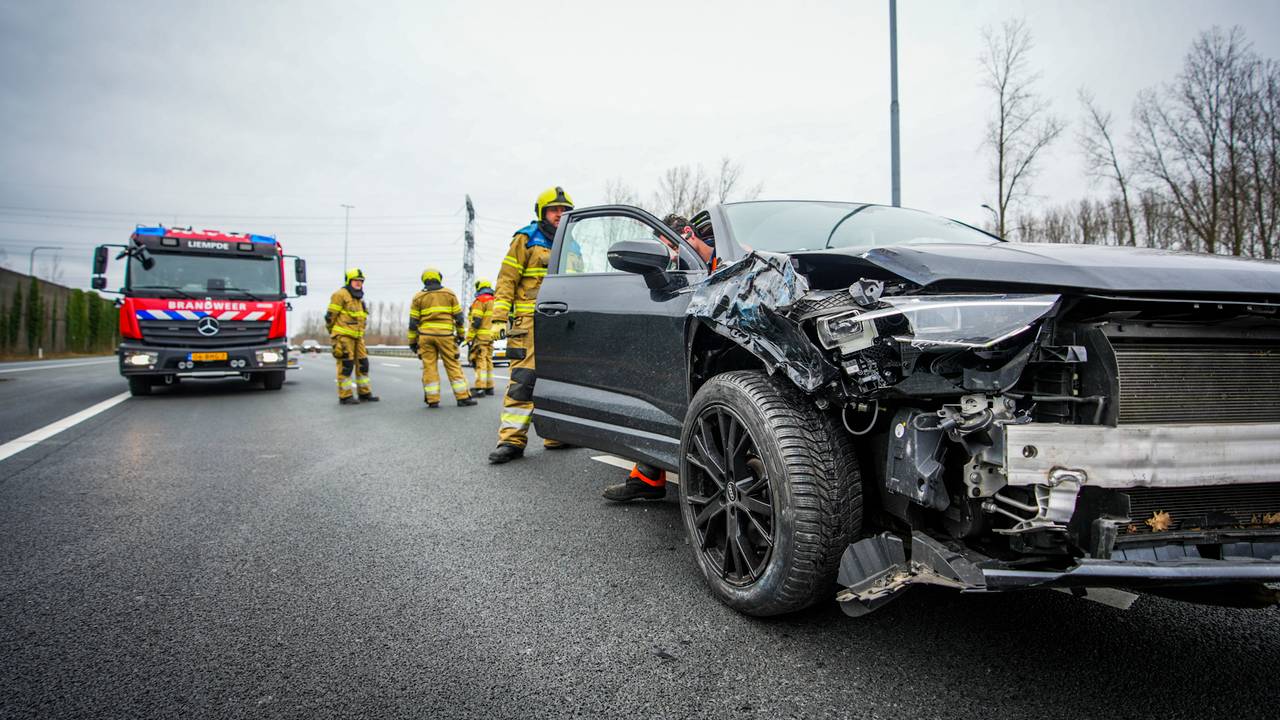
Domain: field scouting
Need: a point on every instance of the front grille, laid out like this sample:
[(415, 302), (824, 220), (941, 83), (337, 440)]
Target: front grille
[(182, 333), (1195, 507), (1198, 383)]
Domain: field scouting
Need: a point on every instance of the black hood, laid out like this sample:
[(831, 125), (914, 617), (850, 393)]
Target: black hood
[(1026, 266)]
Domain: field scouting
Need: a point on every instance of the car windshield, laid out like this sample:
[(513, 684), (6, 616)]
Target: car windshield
[(202, 275), (794, 225)]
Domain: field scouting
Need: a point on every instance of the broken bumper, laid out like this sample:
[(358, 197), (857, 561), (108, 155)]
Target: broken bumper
[(1145, 455), (875, 569)]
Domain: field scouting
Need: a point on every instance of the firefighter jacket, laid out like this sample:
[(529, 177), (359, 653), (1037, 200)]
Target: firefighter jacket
[(521, 275), (435, 311), (478, 329), (346, 314)]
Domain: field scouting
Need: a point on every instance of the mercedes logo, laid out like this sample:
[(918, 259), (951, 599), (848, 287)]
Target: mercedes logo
[(207, 326)]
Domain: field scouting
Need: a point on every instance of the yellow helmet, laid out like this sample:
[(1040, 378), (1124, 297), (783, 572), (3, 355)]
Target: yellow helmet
[(431, 274), (483, 283), (353, 274), (552, 197)]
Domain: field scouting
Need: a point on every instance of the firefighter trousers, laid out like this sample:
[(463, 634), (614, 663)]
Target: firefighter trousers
[(441, 348), (482, 361), (353, 365), (517, 404)]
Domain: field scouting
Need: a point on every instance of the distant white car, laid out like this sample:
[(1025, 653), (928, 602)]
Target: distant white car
[(310, 346), (499, 353)]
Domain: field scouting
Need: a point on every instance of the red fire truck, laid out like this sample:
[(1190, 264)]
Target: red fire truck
[(201, 304)]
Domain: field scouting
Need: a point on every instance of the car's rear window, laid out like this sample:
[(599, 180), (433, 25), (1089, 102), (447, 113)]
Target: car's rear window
[(794, 225)]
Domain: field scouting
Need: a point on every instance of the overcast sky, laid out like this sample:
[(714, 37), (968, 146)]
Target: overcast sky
[(265, 116)]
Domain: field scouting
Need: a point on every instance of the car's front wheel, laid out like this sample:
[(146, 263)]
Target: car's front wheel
[(769, 492)]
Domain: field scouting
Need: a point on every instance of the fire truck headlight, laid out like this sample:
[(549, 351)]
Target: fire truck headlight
[(140, 359), (269, 357)]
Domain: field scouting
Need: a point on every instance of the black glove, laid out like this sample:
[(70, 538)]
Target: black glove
[(502, 332), (413, 348), (457, 339)]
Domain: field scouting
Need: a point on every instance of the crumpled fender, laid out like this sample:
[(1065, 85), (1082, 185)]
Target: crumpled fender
[(747, 302)]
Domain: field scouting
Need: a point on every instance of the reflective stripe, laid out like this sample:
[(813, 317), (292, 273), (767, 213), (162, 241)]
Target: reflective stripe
[(508, 260), (502, 304), (459, 385), (514, 421), (435, 326), (431, 389), (413, 313), (534, 272), (348, 331), (346, 384), (335, 308), (441, 309)]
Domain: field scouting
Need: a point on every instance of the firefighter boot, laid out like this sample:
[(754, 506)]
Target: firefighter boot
[(348, 401), (505, 452), (467, 402), (369, 398), (644, 483), (488, 391)]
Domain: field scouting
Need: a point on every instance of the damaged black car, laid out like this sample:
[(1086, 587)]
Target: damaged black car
[(859, 398)]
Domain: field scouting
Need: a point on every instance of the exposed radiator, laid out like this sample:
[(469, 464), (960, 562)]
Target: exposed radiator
[(1245, 504), (1198, 383)]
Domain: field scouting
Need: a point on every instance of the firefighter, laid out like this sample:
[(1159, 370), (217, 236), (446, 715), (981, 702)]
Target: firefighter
[(345, 321), (480, 338), (523, 270), (435, 331)]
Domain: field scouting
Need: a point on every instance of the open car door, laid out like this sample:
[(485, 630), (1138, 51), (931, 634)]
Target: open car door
[(610, 343)]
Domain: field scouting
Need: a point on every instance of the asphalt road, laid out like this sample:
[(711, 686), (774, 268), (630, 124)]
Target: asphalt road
[(222, 551)]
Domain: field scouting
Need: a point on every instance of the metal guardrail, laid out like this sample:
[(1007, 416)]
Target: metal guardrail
[(390, 350)]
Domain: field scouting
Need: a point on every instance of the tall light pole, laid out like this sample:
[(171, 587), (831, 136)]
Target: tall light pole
[(31, 262), (995, 217), (893, 103), (346, 230)]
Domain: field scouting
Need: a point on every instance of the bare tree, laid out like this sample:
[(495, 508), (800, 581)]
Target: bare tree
[(728, 182), (1263, 150), (1023, 125), (683, 190), (1101, 158), (1184, 133), (618, 192)]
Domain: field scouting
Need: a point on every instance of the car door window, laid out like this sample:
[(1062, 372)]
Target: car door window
[(587, 242)]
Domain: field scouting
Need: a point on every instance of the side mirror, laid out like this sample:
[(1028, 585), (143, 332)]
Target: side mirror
[(300, 271), (299, 290), (99, 282), (100, 255), (643, 257)]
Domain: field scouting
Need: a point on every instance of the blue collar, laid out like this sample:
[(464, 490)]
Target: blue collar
[(534, 233)]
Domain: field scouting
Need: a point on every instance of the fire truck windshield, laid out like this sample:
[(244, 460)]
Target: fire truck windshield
[(207, 275)]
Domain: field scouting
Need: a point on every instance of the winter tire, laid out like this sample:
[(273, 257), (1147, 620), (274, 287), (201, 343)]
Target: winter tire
[(770, 493)]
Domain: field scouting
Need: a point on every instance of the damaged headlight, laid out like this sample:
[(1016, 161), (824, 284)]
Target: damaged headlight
[(850, 332), (967, 321)]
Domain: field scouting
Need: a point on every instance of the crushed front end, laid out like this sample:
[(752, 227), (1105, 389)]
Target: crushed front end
[(1030, 438)]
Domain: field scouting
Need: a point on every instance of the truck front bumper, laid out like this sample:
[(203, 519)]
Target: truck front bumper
[(141, 359)]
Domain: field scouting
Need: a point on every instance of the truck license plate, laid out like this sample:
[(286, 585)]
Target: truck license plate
[(208, 356)]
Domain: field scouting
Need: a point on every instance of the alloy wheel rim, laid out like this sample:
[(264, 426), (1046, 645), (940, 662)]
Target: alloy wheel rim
[(729, 497)]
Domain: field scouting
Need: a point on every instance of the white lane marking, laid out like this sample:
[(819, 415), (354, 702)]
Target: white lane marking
[(504, 377), (616, 461), (54, 366), (387, 364), (14, 447)]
